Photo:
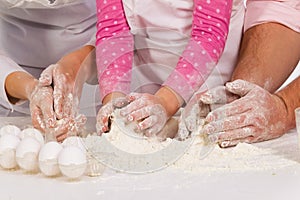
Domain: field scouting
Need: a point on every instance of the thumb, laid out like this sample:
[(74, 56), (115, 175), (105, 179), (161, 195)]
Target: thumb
[(240, 87), (47, 76)]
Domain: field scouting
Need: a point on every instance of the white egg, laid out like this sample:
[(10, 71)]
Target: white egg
[(32, 132), (8, 145), (48, 158), (72, 162), (74, 141), (10, 129), (27, 154)]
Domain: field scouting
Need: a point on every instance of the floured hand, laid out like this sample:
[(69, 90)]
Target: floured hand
[(41, 109), (105, 112), (256, 116), (62, 79), (148, 110), (202, 103)]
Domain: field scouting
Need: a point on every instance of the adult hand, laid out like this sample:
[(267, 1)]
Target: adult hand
[(256, 116), (148, 111), (202, 103), (62, 78), (40, 103)]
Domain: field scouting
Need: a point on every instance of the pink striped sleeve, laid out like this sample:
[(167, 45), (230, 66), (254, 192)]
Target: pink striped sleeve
[(209, 32), (114, 48)]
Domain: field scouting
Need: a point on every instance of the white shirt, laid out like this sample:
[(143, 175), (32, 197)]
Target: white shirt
[(37, 33)]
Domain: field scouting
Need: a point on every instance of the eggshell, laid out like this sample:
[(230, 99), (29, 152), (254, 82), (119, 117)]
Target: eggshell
[(27, 154), (48, 158), (8, 145), (10, 129), (72, 161), (74, 141), (32, 132)]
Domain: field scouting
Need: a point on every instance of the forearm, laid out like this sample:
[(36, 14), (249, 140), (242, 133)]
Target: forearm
[(19, 86), (291, 98), (268, 55), (76, 59), (208, 36)]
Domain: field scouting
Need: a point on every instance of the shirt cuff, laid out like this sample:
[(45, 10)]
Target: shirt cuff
[(8, 66), (272, 11), (92, 41)]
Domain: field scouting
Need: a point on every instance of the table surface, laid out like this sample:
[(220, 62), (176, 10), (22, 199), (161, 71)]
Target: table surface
[(281, 183)]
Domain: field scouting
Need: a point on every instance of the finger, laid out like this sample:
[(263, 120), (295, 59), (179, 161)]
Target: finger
[(236, 107), (233, 143), (229, 123), (217, 95), (58, 98), (182, 132), (152, 131), (102, 125), (61, 128), (80, 120), (148, 122), (139, 114), (103, 119), (46, 76), (48, 112), (133, 106), (37, 119), (68, 105), (240, 87), (61, 137), (76, 125), (227, 138)]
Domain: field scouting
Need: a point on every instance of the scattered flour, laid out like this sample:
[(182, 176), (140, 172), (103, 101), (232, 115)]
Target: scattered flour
[(124, 138), (243, 157)]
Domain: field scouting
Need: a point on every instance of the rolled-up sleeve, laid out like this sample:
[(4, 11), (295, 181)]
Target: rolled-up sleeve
[(7, 66), (286, 12)]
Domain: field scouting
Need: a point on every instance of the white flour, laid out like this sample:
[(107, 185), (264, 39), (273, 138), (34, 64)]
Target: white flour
[(243, 157)]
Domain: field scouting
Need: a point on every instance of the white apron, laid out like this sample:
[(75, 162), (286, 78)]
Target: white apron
[(37, 33), (161, 31)]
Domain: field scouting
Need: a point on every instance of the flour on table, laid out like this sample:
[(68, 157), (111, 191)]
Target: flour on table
[(243, 157)]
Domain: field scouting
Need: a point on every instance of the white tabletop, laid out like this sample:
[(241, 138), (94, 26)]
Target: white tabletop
[(275, 183)]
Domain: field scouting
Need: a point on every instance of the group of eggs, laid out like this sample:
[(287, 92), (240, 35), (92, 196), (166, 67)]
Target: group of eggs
[(27, 149)]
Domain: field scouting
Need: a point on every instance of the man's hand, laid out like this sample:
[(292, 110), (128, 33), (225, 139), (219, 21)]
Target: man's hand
[(256, 116)]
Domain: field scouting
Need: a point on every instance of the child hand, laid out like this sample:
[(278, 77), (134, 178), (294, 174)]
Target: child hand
[(148, 110), (106, 111)]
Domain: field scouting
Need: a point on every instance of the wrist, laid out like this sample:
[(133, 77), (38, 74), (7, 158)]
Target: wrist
[(170, 100), (287, 116), (112, 96), (19, 86)]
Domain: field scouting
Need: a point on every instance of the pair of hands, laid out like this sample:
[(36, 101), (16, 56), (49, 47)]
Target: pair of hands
[(53, 105), (144, 108), (250, 114)]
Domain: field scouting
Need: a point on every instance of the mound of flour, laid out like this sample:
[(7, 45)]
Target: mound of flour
[(243, 157)]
